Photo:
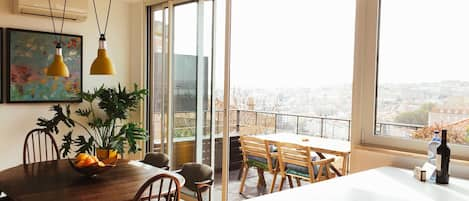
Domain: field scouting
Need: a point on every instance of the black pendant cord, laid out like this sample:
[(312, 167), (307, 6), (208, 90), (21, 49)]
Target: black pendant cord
[(59, 38), (107, 17)]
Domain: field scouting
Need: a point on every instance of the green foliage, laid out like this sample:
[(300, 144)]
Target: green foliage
[(117, 103), (66, 144), (83, 145), (419, 116), (129, 133), (103, 132), (51, 126)]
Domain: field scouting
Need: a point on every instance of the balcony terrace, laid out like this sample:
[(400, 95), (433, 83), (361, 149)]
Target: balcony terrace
[(250, 122)]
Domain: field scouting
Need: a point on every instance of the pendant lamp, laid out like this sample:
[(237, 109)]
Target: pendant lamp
[(58, 67), (102, 65)]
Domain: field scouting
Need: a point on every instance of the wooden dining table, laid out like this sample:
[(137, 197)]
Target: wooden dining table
[(57, 180), (319, 145)]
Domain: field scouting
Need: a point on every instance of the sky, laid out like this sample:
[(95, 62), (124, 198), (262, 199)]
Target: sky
[(424, 41), (310, 43), (303, 43)]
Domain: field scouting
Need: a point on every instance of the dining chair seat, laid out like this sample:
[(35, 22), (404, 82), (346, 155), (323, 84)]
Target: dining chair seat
[(259, 162), (303, 171)]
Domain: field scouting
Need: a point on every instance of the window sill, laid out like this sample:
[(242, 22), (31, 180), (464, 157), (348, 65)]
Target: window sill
[(405, 153)]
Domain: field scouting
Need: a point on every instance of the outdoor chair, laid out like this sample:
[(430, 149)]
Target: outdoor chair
[(296, 161), (260, 154)]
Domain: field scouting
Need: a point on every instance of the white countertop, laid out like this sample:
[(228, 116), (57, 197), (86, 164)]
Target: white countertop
[(381, 184)]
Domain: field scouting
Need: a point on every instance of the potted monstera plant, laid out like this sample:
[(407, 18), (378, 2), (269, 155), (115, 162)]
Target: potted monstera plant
[(105, 121)]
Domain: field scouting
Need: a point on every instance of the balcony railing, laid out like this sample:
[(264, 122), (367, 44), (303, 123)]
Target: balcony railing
[(256, 122), (249, 122)]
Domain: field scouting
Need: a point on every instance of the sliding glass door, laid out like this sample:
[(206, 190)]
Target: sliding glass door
[(180, 75)]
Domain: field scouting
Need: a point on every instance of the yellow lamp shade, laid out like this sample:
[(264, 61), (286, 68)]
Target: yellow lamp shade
[(102, 65), (58, 67)]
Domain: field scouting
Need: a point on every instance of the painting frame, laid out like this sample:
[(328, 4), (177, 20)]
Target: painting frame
[(9, 55), (2, 72)]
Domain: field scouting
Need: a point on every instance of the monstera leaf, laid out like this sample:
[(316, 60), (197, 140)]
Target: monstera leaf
[(106, 113), (129, 133), (84, 146)]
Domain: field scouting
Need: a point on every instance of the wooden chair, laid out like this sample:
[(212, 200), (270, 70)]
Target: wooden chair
[(157, 159), (39, 146), (296, 161), (259, 154), (198, 181), (169, 190)]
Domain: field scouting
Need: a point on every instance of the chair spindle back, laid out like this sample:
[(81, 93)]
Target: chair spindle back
[(168, 189), (39, 146)]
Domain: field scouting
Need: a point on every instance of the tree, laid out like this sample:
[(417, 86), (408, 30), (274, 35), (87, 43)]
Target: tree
[(419, 116)]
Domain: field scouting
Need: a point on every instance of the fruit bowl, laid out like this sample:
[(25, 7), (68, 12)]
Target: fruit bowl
[(89, 166)]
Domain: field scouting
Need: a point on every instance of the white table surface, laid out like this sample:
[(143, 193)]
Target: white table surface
[(381, 184)]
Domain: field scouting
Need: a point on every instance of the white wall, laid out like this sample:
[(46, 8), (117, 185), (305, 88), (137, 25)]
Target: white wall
[(17, 119)]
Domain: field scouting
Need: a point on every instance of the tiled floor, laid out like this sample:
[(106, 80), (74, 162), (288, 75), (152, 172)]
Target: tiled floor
[(250, 188)]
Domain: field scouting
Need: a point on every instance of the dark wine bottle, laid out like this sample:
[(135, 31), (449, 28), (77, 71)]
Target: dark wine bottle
[(442, 160)]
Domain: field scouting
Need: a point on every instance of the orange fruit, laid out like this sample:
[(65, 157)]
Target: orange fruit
[(80, 164), (82, 156), (95, 158), (89, 161)]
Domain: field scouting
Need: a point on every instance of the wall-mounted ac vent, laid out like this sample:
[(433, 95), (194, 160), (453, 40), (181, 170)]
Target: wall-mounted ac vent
[(77, 10)]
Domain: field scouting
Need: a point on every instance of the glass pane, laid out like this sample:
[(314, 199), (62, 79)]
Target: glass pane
[(291, 72), (158, 97), (185, 83), (206, 76), (422, 78), (218, 83)]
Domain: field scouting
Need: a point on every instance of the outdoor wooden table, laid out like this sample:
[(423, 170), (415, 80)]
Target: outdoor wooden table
[(319, 145), (56, 180)]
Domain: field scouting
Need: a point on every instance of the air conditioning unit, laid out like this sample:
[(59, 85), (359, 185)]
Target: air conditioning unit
[(76, 10)]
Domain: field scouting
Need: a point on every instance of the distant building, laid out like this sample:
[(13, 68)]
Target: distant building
[(447, 115)]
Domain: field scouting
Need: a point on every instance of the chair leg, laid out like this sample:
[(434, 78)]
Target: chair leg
[(199, 196), (240, 173), (261, 185), (281, 183), (273, 182), (261, 178), (298, 182), (290, 182), (243, 178)]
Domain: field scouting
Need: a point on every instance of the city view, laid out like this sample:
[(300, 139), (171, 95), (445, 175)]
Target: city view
[(403, 110), (291, 95)]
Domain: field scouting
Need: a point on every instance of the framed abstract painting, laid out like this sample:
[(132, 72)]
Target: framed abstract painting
[(1, 65), (28, 55)]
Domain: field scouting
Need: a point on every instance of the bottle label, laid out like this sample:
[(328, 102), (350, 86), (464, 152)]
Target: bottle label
[(438, 162)]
